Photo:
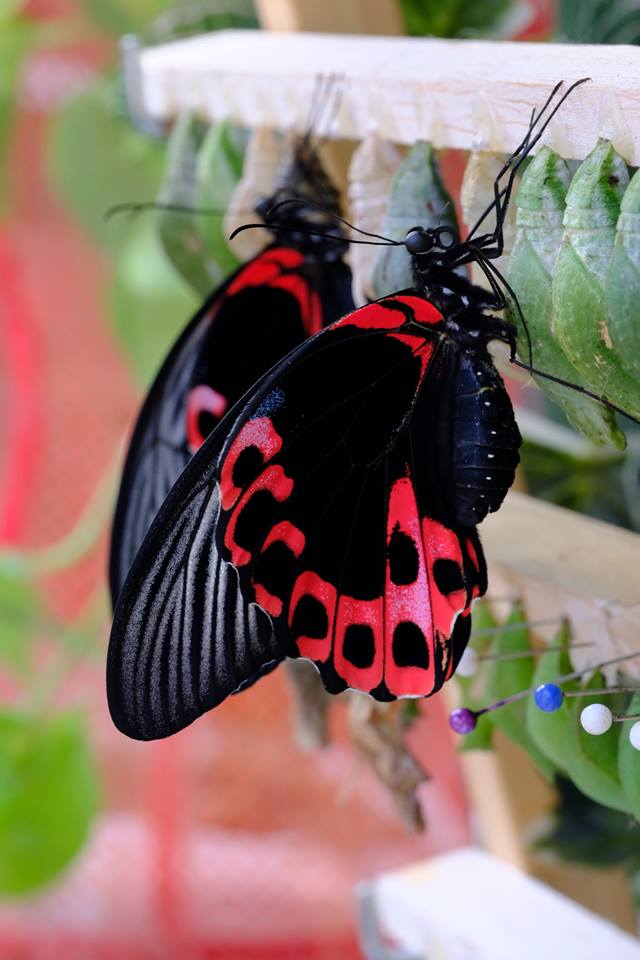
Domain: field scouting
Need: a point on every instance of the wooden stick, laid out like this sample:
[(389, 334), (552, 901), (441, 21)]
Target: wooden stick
[(578, 554), (457, 93)]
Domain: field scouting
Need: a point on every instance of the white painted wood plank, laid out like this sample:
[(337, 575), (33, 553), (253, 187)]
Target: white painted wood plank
[(455, 92), (468, 904)]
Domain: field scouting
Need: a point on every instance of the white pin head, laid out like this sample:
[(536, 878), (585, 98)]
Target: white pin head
[(634, 736), (468, 663), (596, 719)]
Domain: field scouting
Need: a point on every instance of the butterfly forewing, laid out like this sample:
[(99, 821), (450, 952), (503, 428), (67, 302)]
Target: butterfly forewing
[(338, 529)]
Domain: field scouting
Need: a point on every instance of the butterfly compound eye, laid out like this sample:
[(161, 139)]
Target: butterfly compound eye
[(419, 240)]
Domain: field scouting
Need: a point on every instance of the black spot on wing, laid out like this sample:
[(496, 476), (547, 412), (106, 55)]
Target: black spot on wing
[(410, 646), (275, 569), (359, 646), (255, 520), (247, 467), (403, 558), (448, 576), (309, 619)]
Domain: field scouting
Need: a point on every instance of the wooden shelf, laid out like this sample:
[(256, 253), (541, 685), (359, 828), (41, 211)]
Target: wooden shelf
[(457, 93)]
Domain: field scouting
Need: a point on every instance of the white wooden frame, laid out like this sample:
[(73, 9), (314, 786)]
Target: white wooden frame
[(456, 93)]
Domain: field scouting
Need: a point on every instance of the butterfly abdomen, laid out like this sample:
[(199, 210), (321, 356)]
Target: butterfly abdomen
[(486, 439)]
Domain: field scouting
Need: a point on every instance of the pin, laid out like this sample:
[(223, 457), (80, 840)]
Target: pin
[(471, 659), (549, 697)]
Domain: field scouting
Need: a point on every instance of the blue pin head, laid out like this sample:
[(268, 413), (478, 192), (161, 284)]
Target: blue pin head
[(548, 697)]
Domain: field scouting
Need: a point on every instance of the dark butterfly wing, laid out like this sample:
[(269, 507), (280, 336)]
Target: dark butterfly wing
[(311, 496), (266, 309)]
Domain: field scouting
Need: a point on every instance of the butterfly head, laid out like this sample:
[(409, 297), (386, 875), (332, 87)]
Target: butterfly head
[(421, 241)]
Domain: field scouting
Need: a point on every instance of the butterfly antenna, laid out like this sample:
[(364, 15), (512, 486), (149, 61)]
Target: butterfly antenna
[(333, 103), (522, 151), (336, 216), (317, 101), (311, 233), (142, 206)]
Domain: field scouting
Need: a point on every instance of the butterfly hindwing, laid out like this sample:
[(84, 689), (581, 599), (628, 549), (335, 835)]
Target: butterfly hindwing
[(267, 308), (311, 496)]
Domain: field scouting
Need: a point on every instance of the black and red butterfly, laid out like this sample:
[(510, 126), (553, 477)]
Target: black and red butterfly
[(291, 290), (332, 515)]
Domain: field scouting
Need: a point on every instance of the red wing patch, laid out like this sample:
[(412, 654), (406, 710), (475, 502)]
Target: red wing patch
[(408, 620), (256, 443), (281, 267), (312, 612), (202, 400), (252, 515), (358, 642), (382, 316)]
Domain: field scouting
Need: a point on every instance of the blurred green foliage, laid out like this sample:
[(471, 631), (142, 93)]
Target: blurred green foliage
[(21, 613), (48, 783), (598, 21), (97, 159), (48, 796), (602, 485), (148, 303), (16, 38), (586, 832), (456, 18), (164, 18)]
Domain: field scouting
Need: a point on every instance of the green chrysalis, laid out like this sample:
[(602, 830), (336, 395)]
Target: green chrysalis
[(580, 321), (540, 208), (417, 198), (178, 231), (202, 171), (218, 171), (623, 283)]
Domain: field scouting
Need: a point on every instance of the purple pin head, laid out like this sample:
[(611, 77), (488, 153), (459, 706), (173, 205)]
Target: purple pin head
[(462, 720)]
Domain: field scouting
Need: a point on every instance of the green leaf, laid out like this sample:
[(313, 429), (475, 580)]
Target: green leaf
[(509, 676), (629, 761), (20, 615), (559, 735), (97, 159), (48, 798), (602, 749), (149, 303), (553, 733)]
